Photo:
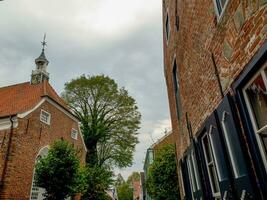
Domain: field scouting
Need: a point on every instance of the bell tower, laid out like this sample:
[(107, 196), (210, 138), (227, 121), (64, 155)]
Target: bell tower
[(40, 74)]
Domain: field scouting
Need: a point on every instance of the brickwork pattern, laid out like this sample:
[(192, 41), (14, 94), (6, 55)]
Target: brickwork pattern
[(28, 138), (233, 39)]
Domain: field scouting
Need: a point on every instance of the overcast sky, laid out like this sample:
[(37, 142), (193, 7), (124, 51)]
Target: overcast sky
[(118, 38)]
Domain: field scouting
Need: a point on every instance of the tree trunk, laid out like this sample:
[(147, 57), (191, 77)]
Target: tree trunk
[(91, 156)]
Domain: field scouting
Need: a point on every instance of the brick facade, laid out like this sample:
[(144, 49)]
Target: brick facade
[(196, 32), (28, 138)]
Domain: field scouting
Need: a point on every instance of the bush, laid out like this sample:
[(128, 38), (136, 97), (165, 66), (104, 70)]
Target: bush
[(58, 172), (162, 182)]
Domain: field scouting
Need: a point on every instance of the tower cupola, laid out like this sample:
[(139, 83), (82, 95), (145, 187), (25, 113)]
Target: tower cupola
[(40, 73)]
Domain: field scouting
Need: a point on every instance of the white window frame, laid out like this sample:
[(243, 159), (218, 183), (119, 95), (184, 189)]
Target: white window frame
[(48, 119), (191, 175), (40, 191), (251, 115), (76, 134), (219, 15), (196, 172), (214, 194)]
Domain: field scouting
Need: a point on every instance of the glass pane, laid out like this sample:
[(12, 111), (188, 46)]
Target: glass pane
[(191, 176), (219, 6), (257, 96), (195, 169), (167, 27), (214, 178), (233, 151), (207, 149)]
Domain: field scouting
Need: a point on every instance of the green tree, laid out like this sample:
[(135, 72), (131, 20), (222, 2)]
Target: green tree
[(109, 117), (162, 182), (135, 176), (58, 172), (125, 192), (96, 180), (124, 188)]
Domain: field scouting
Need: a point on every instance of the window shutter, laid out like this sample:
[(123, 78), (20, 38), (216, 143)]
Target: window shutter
[(233, 149), (217, 154)]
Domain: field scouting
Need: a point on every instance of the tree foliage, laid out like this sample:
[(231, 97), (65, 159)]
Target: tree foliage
[(162, 182), (124, 188), (135, 176), (58, 172), (96, 180), (109, 117)]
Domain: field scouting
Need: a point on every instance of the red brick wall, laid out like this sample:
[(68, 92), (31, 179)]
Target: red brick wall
[(30, 136), (233, 40)]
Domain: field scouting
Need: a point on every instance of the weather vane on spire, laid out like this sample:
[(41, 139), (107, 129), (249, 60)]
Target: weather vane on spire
[(44, 42)]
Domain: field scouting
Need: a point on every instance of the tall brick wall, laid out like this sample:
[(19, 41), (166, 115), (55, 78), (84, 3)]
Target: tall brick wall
[(28, 138), (233, 39)]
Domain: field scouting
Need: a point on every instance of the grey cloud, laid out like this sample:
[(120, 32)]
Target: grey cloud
[(133, 57)]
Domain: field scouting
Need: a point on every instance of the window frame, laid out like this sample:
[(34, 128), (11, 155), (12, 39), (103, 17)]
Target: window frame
[(48, 122), (176, 89), (40, 191), (253, 117), (76, 134), (213, 162), (219, 14)]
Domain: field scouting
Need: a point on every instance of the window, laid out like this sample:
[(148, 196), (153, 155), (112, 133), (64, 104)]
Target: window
[(45, 117), (255, 94), (194, 178), (74, 134), (177, 90), (220, 6), (209, 160), (230, 140), (176, 16), (37, 192), (167, 27)]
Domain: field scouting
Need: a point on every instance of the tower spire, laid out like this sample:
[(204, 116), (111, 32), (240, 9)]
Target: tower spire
[(44, 43), (40, 74)]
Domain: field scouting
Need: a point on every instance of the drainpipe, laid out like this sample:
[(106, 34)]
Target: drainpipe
[(7, 152), (217, 75)]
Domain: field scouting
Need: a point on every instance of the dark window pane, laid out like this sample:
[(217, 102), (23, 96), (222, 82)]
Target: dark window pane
[(214, 178), (233, 151), (207, 149), (167, 27), (218, 5)]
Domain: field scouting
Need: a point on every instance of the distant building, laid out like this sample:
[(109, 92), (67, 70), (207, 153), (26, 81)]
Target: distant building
[(167, 139), (142, 186), (148, 161), (215, 65), (136, 189), (32, 117)]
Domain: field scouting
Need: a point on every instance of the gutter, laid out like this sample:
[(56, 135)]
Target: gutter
[(7, 153)]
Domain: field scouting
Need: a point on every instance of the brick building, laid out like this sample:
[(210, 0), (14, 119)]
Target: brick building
[(32, 117), (151, 153), (216, 74)]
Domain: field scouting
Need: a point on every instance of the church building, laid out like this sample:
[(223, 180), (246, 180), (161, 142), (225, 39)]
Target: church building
[(32, 117)]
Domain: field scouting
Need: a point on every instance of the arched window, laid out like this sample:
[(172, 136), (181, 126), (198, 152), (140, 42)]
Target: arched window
[(37, 192)]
